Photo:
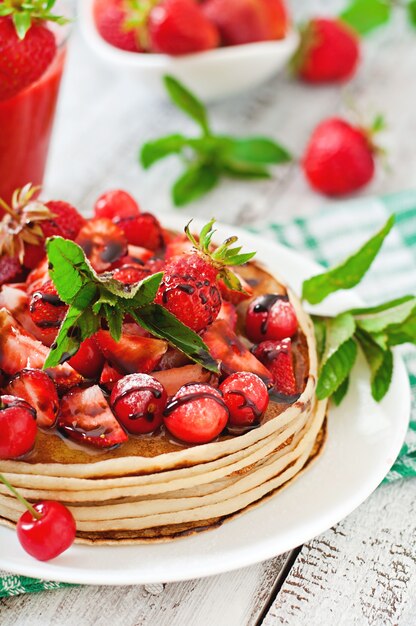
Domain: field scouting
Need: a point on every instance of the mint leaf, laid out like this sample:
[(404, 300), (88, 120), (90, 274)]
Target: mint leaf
[(153, 151), (77, 326), (243, 170), (336, 369), (255, 151), (411, 12), (366, 15), (340, 393), (196, 181), (380, 362), (319, 325), (114, 317), (349, 273), (338, 330), (402, 333), (159, 322), (68, 267), (378, 319), (188, 102)]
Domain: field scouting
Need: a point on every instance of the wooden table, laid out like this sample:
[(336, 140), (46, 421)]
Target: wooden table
[(363, 571)]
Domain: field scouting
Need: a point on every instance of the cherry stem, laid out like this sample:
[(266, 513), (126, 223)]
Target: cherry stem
[(21, 499)]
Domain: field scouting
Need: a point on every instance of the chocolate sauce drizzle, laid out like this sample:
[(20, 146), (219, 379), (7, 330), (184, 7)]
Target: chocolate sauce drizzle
[(147, 415), (264, 304), (199, 395)]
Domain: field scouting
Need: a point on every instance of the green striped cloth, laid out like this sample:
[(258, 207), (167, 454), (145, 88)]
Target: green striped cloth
[(327, 238)]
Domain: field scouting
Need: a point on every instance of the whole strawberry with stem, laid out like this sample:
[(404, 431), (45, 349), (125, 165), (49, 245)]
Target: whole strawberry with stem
[(189, 289), (339, 158), (46, 529), (27, 46), (329, 51)]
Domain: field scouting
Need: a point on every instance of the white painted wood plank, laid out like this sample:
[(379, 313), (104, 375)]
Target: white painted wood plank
[(231, 599), (360, 573)]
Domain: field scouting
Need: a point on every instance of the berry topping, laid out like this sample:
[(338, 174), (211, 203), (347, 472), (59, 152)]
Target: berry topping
[(329, 51), (39, 391), (111, 18), (10, 270), (89, 360), (17, 427), (180, 27), (277, 357), (46, 531), (133, 353), (130, 274), (196, 414), (246, 21), (46, 308), (270, 317), (116, 204), (86, 417), (143, 230), (138, 401), (189, 288), (109, 377), (103, 243), (176, 377), (231, 352), (246, 397), (339, 158), (228, 313)]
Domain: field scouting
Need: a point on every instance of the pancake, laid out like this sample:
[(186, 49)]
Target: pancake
[(154, 488)]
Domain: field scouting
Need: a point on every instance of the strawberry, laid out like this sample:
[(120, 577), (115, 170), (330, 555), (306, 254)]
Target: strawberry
[(178, 246), (270, 316), (246, 397), (46, 308), (180, 27), (176, 377), (226, 347), (20, 350), (247, 21), (103, 243), (277, 357), (228, 313), (88, 361), (10, 270), (339, 158), (39, 391), (22, 62), (144, 230), (38, 276), (116, 204), (109, 377), (329, 51), (111, 21), (236, 296), (86, 417), (130, 274), (133, 353), (189, 289), (17, 301)]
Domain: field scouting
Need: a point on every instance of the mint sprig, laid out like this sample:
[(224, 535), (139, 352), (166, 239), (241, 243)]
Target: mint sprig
[(99, 299), (25, 12), (375, 330), (209, 157)]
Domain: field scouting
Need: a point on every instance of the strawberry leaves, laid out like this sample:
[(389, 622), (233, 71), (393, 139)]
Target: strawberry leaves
[(24, 12), (209, 157), (99, 299), (374, 329)]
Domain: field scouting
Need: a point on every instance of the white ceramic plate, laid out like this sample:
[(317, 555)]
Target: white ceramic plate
[(364, 439), (213, 75)]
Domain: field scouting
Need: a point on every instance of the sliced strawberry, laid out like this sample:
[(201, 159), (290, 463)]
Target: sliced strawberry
[(20, 350), (173, 379), (116, 204), (133, 353), (236, 296), (130, 274), (89, 360), (173, 358), (86, 417), (39, 391), (10, 270), (38, 276), (277, 357), (179, 245), (103, 243), (109, 377), (143, 230), (46, 308), (17, 301), (226, 347), (228, 313)]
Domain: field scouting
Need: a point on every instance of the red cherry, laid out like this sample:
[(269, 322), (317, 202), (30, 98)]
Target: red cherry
[(50, 535), (89, 360), (17, 427), (270, 317), (116, 204), (138, 401), (246, 397), (196, 414)]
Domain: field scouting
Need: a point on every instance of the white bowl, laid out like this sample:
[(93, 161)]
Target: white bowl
[(212, 75)]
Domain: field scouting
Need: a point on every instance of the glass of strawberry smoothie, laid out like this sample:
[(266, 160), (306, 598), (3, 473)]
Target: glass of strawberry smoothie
[(26, 122)]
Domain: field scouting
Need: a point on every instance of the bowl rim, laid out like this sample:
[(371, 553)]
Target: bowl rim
[(162, 61)]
